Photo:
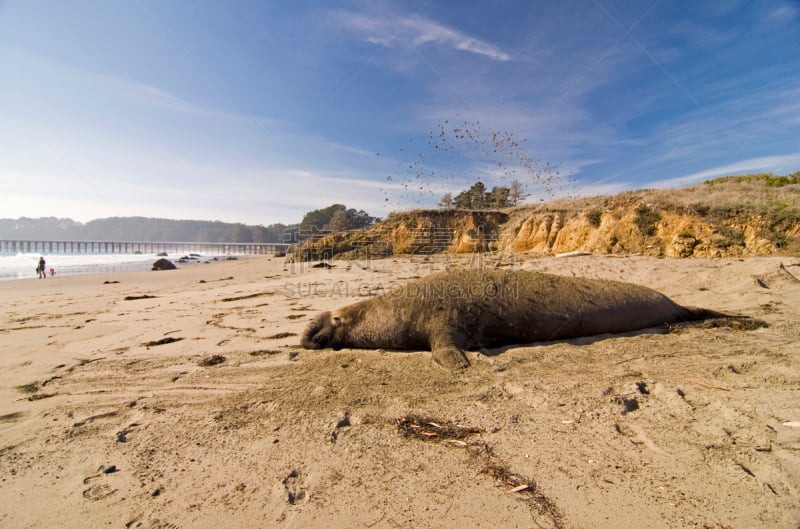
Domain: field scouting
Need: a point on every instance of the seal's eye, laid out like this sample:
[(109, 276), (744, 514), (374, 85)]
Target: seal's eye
[(337, 321)]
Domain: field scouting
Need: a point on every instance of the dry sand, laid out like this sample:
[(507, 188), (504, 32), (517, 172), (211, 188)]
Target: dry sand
[(692, 428)]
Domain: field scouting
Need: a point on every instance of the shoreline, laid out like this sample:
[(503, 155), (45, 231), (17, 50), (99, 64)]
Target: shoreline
[(140, 264)]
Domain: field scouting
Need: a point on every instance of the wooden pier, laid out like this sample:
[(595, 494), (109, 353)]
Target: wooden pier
[(140, 247)]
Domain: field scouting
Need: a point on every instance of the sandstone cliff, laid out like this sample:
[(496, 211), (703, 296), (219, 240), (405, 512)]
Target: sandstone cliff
[(736, 216), (420, 232), (648, 230)]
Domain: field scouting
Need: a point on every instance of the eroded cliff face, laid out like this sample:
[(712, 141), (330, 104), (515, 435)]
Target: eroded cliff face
[(661, 233), (622, 227), (443, 231), (421, 232)]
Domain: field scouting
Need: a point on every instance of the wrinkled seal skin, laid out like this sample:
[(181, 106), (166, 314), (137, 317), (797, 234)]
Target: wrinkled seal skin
[(453, 311)]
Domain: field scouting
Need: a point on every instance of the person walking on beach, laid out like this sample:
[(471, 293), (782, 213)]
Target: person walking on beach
[(41, 269)]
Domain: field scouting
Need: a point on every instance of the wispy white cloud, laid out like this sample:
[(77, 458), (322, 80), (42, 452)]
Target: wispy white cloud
[(149, 96), (601, 188), (784, 12), (425, 31), (415, 31), (350, 149)]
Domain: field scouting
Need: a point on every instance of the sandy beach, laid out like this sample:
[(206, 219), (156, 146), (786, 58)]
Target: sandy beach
[(181, 399)]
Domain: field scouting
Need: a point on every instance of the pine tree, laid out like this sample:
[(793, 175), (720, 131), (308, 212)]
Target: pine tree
[(498, 197), (478, 195)]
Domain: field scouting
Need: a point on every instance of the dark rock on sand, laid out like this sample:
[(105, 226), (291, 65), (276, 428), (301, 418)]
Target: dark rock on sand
[(164, 264)]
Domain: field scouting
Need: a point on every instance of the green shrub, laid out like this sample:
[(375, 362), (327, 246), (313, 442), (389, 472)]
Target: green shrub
[(721, 243), (769, 179), (780, 181), (646, 220), (594, 216), (731, 235)]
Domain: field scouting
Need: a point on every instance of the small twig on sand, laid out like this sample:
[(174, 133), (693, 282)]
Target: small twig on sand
[(788, 273), (705, 384), (627, 360)]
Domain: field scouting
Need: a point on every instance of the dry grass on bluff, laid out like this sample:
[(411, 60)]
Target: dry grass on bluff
[(765, 193)]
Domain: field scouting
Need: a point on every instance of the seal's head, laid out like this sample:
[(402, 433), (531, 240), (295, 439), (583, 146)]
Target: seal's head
[(325, 330)]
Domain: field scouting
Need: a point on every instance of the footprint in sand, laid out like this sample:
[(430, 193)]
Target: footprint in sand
[(98, 492), (138, 523), (293, 484)]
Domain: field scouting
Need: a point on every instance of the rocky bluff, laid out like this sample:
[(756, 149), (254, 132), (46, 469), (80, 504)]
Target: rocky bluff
[(729, 217)]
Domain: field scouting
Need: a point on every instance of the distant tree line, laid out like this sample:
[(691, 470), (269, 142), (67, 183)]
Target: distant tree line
[(477, 197), (333, 218), (140, 229)]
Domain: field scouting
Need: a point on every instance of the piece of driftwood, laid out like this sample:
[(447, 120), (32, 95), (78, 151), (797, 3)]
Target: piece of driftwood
[(576, 253)]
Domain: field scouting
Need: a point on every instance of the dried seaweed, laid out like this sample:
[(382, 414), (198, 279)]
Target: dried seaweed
[(495, 467), (40, 396), (437, 430), (265, 352), (10, 417), (247, 296), (212, 360), (430, 429), (281, 335), (737, 323), (162, 341), (136, 297), (33, 387)]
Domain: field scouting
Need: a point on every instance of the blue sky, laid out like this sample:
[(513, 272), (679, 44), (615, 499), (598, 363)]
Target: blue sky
[(258, 111)]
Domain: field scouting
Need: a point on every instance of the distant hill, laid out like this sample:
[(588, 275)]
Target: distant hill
[(726, 217), (141, 229)]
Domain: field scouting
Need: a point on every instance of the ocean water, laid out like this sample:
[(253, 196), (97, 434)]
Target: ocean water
[(23, 265)]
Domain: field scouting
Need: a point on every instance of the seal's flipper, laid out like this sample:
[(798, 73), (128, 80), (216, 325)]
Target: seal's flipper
[(450, 357), (445, 348)]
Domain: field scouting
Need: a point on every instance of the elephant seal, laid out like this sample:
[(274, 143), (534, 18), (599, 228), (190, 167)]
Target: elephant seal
[(452, 311)]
